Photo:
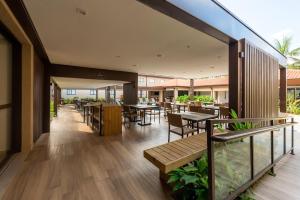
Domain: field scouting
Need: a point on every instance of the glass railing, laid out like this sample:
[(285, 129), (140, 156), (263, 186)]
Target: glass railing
[(237, 159)]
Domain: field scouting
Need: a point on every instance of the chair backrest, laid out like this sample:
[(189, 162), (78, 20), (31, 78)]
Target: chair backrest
[(194, 108), (218, 104), (168, 105), (175, 120), (126, 109), (207, 111), (161, 104), (224, 112), (197, 103)]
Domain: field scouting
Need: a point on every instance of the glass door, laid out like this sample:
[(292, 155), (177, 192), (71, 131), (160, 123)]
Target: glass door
[(5, 97)]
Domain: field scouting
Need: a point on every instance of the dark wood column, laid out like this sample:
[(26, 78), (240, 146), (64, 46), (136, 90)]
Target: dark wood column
[(55, 97), (235, 78), (191, 90), (107, 94), (283, 89), (130, 92), (46, 101), (97, 94)]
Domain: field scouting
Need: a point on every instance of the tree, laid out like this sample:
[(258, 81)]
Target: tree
[(284, 47)]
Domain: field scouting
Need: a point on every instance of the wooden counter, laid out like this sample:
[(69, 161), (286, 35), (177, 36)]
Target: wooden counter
[(108, 121)]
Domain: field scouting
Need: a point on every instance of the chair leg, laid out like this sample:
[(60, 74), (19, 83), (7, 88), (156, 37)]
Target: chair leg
[(169, 137)]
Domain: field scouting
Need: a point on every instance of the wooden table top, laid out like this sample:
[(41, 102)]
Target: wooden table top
[(193, 116), (211, 107), (141, 106)]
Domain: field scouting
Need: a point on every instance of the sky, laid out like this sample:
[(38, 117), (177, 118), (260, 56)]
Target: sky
[(269, 18)]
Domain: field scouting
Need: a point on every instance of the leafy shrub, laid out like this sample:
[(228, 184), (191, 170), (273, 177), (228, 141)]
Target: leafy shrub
[(52, 113), (191, 180), (240, 125), (183, 99), (293, 105), (203, 98)]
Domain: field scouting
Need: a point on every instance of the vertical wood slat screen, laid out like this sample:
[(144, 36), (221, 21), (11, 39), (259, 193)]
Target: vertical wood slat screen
[(260, 92)]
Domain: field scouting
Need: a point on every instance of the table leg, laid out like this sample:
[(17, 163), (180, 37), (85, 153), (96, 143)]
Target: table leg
[(83, 114), (198, 128)]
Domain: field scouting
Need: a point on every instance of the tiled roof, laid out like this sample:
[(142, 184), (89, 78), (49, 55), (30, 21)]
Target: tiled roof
[(211, 82), (222, 81), (176, 83), (293, 74)]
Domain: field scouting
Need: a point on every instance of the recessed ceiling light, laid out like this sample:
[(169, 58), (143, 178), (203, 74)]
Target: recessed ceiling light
[(81, 11), (188, 46), (158, 55), (118, 56), (133, 65), (212, 67)]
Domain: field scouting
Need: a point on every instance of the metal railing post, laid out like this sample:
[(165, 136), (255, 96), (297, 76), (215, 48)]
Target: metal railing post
[(292, 151), (272, 146), (210, 157)]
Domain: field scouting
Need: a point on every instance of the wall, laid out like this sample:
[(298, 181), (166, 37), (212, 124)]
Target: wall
[(38, 97), (85, 93), (8, 19)]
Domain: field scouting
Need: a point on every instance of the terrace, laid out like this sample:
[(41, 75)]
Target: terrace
[(149, 100)]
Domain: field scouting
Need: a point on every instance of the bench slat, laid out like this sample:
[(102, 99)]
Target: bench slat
[(170, 156)]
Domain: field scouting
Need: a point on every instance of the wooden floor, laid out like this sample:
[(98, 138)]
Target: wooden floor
[(72, 163)]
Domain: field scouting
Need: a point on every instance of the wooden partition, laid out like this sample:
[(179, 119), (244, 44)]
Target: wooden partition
[(260, 93), (253, 81)]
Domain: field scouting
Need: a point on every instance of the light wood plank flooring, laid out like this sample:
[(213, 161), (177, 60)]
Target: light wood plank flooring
[(73, 163)]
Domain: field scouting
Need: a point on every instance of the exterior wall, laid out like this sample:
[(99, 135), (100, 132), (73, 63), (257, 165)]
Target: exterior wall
[(85, 93), (151, 81)]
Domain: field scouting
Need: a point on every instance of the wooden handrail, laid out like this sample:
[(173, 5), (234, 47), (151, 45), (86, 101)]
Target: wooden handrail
[(218, 121), (246, 133)]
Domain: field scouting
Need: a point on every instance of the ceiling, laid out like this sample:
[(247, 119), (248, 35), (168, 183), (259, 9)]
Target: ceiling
[(79, 83), (125, 35)]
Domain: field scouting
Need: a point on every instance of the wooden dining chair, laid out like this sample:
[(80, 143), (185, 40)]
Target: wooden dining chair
[(224, 112), (193, 108), (176, 126), (202, 125), (168, 108), (129, 114)]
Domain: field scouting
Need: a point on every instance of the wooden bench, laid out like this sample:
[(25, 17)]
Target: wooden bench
[(170, 156)]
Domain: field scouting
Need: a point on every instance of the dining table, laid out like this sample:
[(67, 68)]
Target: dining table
[(196, 117), (144, 108), (179, 105)]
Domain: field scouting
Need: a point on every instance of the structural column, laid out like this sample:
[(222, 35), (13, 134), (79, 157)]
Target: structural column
[(191, 90), (283, 89), (96, 94), (175, 93), (107, 94), (55, 96), (235, 78)]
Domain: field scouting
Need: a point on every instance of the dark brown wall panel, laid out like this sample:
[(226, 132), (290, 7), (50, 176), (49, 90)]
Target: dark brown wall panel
[(130, 92), (38, 96), (259, 82)]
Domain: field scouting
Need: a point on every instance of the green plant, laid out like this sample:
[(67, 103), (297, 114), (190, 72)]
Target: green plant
[(191, 180), (203, 98), (183, 98), (240, 125), (52, 113), (284, 47), (293, 106), (247, 195)]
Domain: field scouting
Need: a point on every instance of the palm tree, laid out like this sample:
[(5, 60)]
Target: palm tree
[(283, 46)]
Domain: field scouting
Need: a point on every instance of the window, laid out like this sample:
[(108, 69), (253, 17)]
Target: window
[(71, 92), (93, 92), (151, 81)]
